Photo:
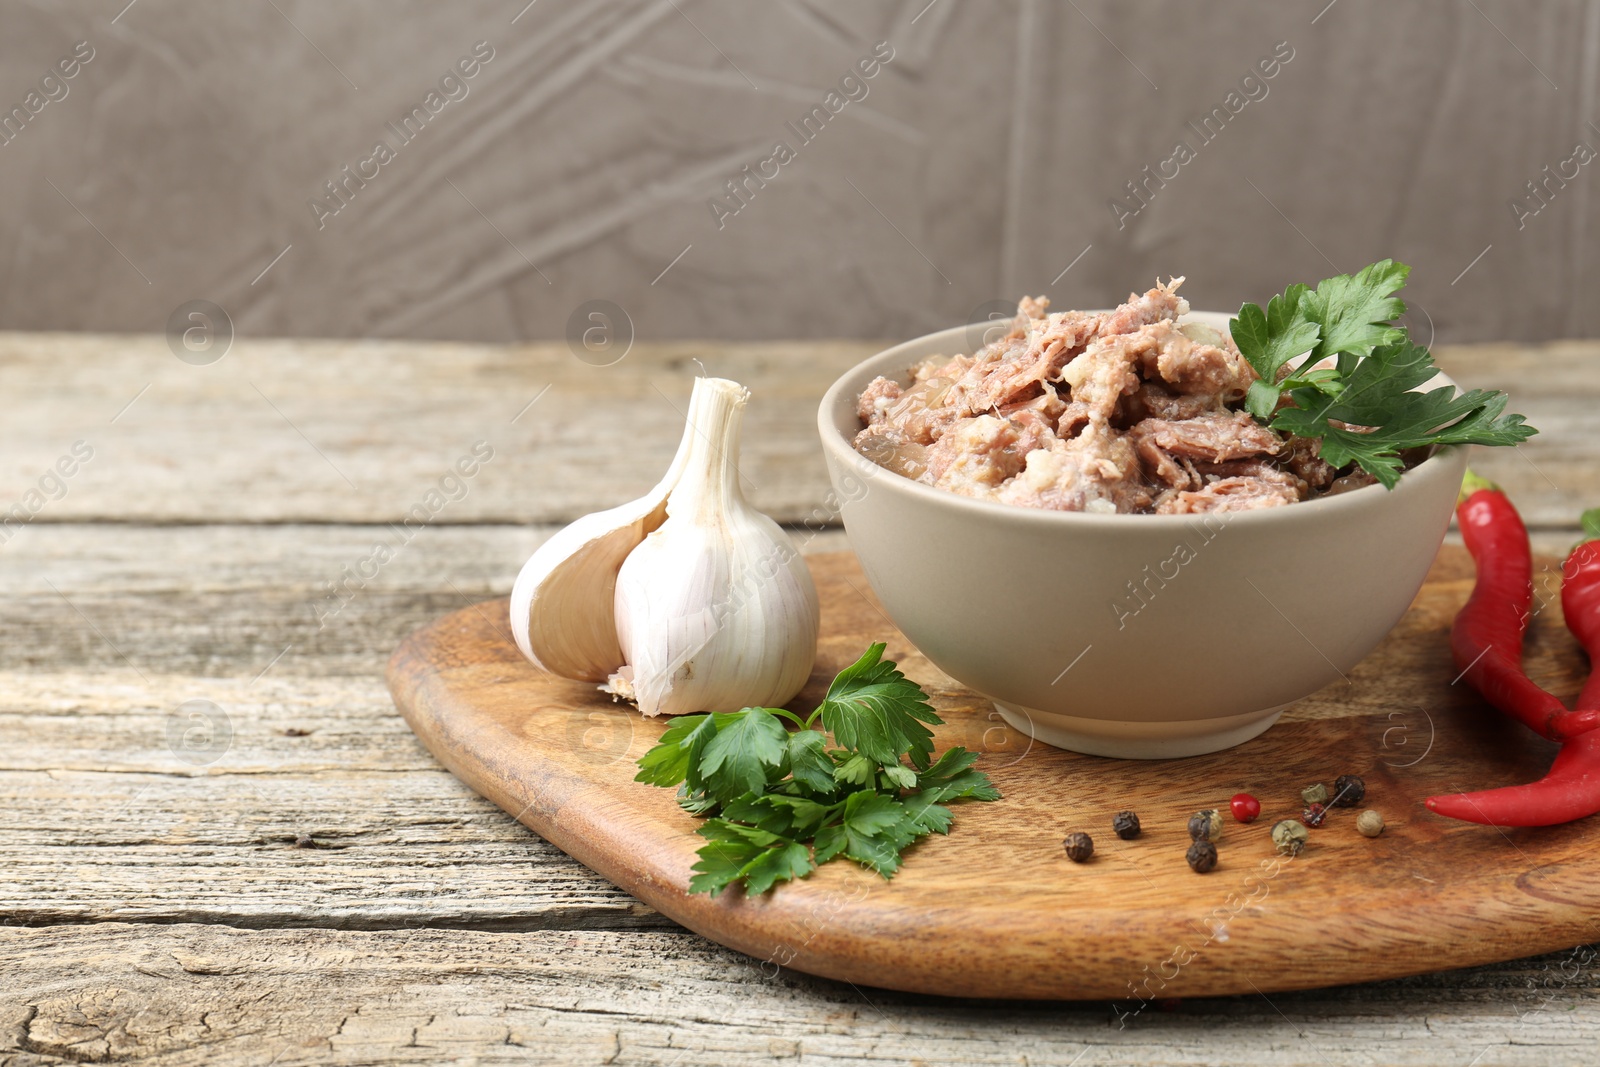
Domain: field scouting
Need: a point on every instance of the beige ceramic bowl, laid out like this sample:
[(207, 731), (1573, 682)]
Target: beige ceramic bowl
[(1137, 636)]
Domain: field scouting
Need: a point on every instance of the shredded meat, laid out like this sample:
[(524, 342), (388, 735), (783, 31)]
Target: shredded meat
[(1153, 400), (1110, 369), (1047, 405), (1103, 375), (948, 367), (1356, 479), (1018, 365), (1268, 489), (1126, 410), (1073, 419), (1095, 471), (1211, 438), (976, 455), (1302, 456), (1211, 367), (1033, 307), (893, 450), (876, 398)]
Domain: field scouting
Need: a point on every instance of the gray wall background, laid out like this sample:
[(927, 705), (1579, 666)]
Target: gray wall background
[(979, 166)]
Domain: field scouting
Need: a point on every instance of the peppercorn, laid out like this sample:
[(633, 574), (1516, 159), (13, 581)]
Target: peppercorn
[(1348, 791), (1202, 855), (1206, 825), (1079, 846), (1290, 837), (1314, 814), (1126, 825), (1245, 807), (1316, 793), (1370, 823)]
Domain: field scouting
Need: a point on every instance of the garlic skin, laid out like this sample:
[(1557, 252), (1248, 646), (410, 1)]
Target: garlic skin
[(562, 603), (715, 610)]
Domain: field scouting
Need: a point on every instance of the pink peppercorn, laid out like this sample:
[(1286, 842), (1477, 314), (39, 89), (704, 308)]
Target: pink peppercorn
[(1245, 807)]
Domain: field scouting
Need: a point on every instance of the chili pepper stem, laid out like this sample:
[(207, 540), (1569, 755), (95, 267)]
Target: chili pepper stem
[(1471, 483)]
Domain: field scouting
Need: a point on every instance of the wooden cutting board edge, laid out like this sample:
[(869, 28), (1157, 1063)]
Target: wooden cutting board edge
[(824, 925)]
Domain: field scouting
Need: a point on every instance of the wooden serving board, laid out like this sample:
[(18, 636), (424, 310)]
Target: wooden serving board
[(995, 909)]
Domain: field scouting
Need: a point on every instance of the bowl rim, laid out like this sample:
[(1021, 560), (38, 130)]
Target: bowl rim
[(846, 389)]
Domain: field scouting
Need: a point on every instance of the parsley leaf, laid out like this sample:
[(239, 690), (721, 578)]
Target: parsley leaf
[(792, 860), (873, 710), (952, 778), (733, 852), (1353, 313), (1379, 393), (780, 803), (1371, 384), (808, 760), (1269, 339), (746, 745), (680, 748)]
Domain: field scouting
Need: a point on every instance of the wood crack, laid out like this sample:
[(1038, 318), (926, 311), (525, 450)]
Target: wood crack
[(640, 917)]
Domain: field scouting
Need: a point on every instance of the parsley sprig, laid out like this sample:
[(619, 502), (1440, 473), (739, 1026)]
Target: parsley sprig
[(781, 802), (1376, 367)]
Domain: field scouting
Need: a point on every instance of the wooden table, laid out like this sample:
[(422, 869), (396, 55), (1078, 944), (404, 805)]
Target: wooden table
[(284, 876)]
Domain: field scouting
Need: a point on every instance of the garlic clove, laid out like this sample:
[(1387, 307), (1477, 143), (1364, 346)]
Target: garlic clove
[(715, 609), (563, 603)]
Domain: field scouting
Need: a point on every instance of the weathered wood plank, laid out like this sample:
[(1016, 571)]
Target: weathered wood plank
[(105, 819), (364, 431), (188, 995), (110, 812), (361, 849), (226, 601), (320, 431)]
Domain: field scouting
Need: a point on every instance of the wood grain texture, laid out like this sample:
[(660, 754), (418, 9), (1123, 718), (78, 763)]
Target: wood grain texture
[(105, 820), (182, 996), (363, 432), (994, 909), (101, 821), (347, 955)]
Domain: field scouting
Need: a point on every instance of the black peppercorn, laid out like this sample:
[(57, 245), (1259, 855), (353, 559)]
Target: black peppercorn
[(1313, 815), (1348, 791), (1079, 847), (1205, 825), (1126, 825), (1202, 855)]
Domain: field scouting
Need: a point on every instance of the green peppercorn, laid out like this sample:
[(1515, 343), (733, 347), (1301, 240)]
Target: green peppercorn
[(1370, 823), (1126, 825), (1315, 794), (1290, 836), (1348, 791), (1079, 846), (1206, 825), (1202, 855)]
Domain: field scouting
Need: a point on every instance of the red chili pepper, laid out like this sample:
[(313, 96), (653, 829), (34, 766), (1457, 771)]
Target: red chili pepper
[(1571, 788), (1580, 602), (1486, 640)]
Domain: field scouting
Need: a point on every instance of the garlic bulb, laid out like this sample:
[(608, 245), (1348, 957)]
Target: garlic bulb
[(688, 599), (561, 604), (716, 610)]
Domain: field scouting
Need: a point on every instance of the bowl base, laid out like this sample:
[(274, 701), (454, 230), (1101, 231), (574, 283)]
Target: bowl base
[(1138, 740)]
